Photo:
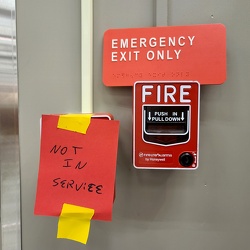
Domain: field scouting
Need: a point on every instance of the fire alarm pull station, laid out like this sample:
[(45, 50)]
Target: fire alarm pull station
[(166, 124)]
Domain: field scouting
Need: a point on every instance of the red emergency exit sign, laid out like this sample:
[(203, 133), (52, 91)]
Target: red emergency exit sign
[(165, 53), (166, 125)]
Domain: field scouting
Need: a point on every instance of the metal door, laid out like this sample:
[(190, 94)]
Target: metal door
[(203, 209), (9, 141)]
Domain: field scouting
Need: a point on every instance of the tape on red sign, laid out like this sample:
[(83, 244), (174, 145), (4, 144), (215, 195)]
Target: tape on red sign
[(196, 52)]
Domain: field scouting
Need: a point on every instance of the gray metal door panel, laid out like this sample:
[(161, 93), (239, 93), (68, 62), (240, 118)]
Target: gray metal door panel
[(9, 135), (203, 209), (49, 82)]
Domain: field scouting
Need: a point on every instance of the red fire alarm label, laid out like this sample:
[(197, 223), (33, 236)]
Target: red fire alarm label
[(166, 119)]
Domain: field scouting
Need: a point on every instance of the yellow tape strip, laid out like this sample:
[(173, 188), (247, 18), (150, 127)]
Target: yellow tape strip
[(74, 122), (74, 223)]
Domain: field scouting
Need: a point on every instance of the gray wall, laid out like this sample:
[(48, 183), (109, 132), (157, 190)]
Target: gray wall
[(203, 209)]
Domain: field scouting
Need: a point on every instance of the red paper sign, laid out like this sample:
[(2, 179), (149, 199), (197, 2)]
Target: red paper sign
[(77, 169), (196, 52)]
